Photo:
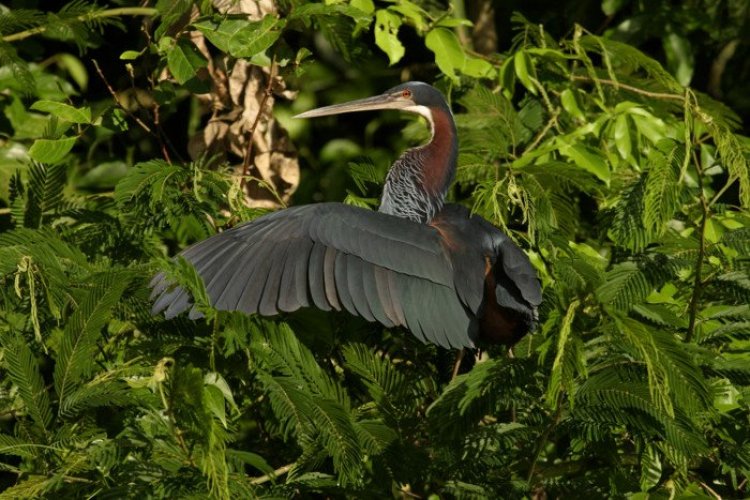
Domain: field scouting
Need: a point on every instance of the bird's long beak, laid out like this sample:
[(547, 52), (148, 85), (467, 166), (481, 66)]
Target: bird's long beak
[(383, 101)]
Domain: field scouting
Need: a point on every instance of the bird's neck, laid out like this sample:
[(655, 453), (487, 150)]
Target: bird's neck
[(419, 180)]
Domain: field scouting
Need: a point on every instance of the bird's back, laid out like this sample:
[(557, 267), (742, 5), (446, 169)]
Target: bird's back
[(493, 273)]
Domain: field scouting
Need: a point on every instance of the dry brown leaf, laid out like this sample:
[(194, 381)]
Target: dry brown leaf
[(232, 108)]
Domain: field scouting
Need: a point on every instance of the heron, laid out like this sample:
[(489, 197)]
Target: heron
[(448, 276)]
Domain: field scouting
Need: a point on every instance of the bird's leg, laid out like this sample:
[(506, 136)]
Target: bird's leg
[(457, 364)]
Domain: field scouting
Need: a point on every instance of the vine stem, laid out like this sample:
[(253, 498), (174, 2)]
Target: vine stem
[(122, 11), (697, 283)]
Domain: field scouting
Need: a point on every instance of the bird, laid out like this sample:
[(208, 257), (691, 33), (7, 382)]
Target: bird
[(448, 276)]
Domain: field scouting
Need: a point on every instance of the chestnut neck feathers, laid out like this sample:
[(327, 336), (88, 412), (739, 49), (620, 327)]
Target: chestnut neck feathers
[(417, 183)]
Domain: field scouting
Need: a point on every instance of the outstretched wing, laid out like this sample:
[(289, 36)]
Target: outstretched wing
[(328, 255)]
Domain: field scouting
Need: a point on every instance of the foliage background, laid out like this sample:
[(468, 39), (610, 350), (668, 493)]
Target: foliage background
[(607, 137)]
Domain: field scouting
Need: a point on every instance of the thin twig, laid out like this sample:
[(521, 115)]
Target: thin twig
[(720, 193), (251, 132), (538, 139), (122, 11), (543, 439), (273, 475), (710, 490), (624, 86), (120, 105)]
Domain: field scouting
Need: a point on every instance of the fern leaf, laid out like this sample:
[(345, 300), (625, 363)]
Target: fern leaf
[(568, 361), (75, 358), (662, 186), (624, 286), (379, 374), (339, 437), (23, 370)]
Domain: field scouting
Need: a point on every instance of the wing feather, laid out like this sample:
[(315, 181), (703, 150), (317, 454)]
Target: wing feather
[(333, 256), (316, 277)]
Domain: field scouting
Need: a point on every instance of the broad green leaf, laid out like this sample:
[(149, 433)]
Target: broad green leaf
[(130, 55), (508, 77), (64, 111), (449, 55), (255, 37), (387, 25), (653, 128), (219, 34), (570, 104), (622, 136), (104, 175), (478, 68), (75, 68), (214, 401), (454, 22), (412, 13), (611, 7), (713, 231), (524, 69), (680, 58), (363, 5), (586, 158), (184, 60), (216, 380), (51, 150)]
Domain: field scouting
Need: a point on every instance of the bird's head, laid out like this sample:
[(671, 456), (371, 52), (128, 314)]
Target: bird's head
[(412, 97)]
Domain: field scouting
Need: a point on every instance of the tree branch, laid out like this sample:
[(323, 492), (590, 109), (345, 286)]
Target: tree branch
[(273, 475), (630, 88), (122, 11)]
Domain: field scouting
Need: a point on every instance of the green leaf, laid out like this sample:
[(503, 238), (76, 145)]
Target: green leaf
[(624, 286), (184, 60), (64, 111), (662, 184), (387, 25), (256, 37), (214, 401), (680, 58), (622, 136), (75, 68), (413, 14), (449, 55), (611, 7), (367, 6), (586, 158), (478, 68), (130, 55), (219, 34), (524, 68), (51, 150), (570, 104)]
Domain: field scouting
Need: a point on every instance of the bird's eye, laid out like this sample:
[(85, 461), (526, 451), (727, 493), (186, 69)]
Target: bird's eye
[(406, 93)]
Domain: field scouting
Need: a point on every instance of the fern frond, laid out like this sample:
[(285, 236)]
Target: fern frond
[(627, 225), (384, 382), (23, 371), (624, 286), (471, 396), (339, 437), (662, 187), (75, 358)]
